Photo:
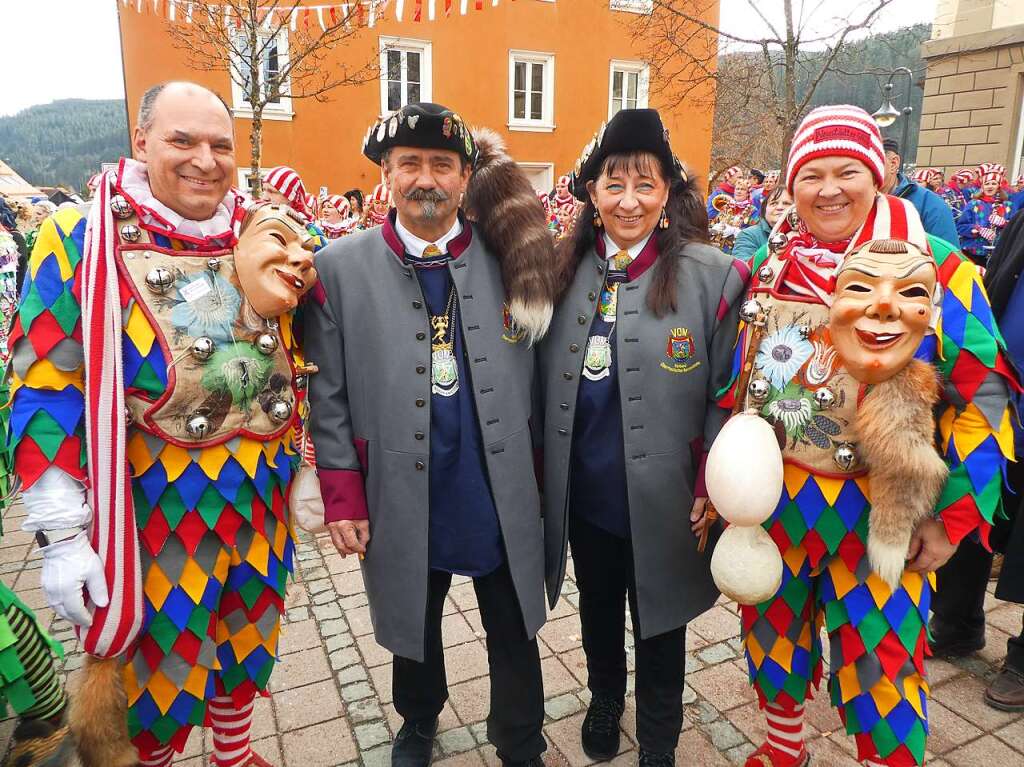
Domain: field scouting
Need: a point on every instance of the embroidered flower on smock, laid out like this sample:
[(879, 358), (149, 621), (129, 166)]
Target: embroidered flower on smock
[(791, 409), (211, 312), (782, 354)]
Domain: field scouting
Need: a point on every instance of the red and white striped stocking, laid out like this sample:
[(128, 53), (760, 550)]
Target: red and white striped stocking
[(231, 731), (160, 758), (786, 728)]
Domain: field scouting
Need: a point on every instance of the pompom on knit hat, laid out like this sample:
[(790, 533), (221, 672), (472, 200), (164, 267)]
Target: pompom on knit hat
[(288, 182), (837, 130)]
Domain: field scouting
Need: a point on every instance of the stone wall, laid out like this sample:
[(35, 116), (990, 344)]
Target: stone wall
[(972, 99)]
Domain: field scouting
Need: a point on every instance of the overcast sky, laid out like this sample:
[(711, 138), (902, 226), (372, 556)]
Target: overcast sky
[(56, 49)]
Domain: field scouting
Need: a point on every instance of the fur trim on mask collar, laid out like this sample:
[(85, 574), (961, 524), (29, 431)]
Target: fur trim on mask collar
[(501, 200)]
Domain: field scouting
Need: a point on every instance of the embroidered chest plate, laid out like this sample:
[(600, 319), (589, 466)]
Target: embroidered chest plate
[(799, 384), (229, 372)]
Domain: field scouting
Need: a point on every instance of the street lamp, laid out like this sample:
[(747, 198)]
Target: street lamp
[(887, 114)]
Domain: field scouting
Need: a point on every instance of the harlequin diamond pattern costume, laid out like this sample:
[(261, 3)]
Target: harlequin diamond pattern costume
[(209, 395), (877, 635)]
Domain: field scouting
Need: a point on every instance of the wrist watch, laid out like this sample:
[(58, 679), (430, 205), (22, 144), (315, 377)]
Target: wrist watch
[(45, 538)]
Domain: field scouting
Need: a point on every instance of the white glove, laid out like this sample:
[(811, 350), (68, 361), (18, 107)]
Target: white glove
[(68, 566)]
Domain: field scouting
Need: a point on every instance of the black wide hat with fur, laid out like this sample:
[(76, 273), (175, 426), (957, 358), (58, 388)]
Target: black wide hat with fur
[(423, 125), (630, 130)]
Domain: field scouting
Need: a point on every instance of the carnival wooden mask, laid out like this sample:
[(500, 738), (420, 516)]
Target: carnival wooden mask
[(274, 260), (881, 308)]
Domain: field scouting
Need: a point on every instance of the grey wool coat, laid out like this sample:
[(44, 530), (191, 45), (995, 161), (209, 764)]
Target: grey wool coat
[(669, 417), (367, 330)]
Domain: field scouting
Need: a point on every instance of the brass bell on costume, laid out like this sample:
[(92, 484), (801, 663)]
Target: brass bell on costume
[(280, 410), (750, 310), (266, 343), (131, 233), (159, 280), (202, 348), (777, 242), (824, 399), (793, 219), (197, 426), (845, 456), (119, 207), (759, 390), (765, 273)]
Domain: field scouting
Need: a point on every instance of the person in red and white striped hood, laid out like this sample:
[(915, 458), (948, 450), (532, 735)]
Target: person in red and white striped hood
[(336, 218)]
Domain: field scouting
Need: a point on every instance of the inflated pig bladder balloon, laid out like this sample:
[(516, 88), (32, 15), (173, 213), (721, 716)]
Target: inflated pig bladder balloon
[(746, 565), (744, 470)]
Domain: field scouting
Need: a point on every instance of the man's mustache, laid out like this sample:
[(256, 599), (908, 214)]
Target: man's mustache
[(426, 195)]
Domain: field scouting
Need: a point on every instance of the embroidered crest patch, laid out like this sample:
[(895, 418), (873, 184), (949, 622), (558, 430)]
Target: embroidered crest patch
[(513, 334), (679, 352)]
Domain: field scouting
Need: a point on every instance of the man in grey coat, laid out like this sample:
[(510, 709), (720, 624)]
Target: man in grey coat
[(420, 413)]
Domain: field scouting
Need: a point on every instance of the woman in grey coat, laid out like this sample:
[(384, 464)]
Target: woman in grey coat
[(638, 347)]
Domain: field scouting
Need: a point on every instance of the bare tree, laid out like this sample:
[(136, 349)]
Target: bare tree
[(243, 38), (773, 82)]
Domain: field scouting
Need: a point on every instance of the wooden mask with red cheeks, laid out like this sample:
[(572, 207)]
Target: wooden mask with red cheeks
[(881, 308), (274, 259)]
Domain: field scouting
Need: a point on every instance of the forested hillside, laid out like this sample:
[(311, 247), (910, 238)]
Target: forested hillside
[(64, 142)]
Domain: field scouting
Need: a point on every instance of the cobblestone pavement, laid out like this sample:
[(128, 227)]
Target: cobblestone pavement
[(332, 689)]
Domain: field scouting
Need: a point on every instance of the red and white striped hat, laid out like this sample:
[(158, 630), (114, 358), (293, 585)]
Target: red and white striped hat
[(286, 181), (992, 171), (381, 193), (963, 176), (339, 203), (892, 218), (731, 174), (837, 130)]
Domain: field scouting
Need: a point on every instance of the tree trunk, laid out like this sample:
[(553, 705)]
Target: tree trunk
[(256, 151)]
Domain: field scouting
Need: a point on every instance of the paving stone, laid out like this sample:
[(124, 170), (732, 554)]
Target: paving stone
[(348, 584), (947, 730), (716, 653), (356, 691), (468, 661), (338, 641), (366, 710), (324, 598), (299, 636), (371, 734), (377, 757), (562, 706), (334, 626), (695, 748), (456, 741), (562, 634), (466, 759), (322, 745), (300, 668), (351, 674), (373, 654), (716, 625), (725, 685), (327, 611), (294, 709), (723, 734), (987, 750), (320, 586), (358, 600)]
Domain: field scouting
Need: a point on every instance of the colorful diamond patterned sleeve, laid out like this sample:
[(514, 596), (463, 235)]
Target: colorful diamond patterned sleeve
[(974, 421), (46, 342)]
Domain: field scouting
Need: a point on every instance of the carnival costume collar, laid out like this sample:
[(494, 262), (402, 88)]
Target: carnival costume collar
[(643, 259), (334, 231), (221, 229)]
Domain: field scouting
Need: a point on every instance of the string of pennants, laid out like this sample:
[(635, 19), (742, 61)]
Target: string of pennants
[(184, 11)]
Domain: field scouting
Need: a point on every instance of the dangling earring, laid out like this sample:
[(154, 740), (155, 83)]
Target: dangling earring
[(663, 223), (598, 223)]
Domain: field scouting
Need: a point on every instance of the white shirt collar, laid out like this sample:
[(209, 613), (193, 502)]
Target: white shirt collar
[(610, 248), (415, 246)]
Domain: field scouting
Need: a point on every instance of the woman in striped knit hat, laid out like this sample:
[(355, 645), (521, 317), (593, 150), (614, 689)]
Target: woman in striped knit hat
[(336, 216), (283, 186), (829, 516), (986, 214), (377, 207)]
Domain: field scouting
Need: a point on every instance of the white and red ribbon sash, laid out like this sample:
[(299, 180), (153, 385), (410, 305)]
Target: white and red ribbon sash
[(113, 533)]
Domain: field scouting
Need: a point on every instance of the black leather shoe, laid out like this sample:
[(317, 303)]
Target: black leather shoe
[(600, 732), (1006, 691), (657, 759), (949, 643), (414, 744)]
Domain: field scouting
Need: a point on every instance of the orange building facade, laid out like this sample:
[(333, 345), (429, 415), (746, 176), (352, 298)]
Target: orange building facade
[(543, 73)]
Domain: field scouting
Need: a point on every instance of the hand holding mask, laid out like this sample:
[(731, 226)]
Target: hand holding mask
[(274, 259)]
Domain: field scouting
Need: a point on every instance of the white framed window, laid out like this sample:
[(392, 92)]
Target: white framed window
[(628, 85), (274, 57), (243, 177), (632, 6), (541, 174), (531, 91), (405, 72)]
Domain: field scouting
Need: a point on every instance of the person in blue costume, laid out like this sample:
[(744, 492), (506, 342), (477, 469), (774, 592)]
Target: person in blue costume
[(985, 216)]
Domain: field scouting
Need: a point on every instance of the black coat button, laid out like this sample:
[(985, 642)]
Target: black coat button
[(564, 406), (419, 465), (563, 432), (417, 304), (421, 369), (592, 295), (420, 403), (582, 319), (574, 348), (418, 435), (420, 336)]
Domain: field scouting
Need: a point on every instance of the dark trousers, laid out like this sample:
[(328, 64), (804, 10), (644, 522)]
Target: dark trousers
[(958, 604), (517, 691), (605, 576)]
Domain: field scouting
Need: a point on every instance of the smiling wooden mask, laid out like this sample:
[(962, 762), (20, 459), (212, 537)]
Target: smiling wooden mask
[(274, 260), (881, 308)]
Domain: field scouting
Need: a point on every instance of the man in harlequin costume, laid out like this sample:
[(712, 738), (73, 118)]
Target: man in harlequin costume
[(726, 186), (877, 634), (154, 393), (986, 215)]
